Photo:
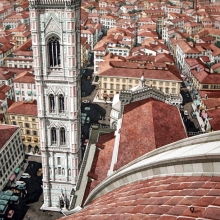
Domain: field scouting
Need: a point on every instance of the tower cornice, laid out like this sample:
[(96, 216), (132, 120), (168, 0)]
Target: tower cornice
[(53, 3)]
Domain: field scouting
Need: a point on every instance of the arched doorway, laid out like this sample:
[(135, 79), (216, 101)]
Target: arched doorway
[(36, 150), (29, 148)]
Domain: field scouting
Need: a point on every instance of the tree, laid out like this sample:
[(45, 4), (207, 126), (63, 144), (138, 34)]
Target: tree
[(8, 27), (16, 6), (91, 8), (217, 44)]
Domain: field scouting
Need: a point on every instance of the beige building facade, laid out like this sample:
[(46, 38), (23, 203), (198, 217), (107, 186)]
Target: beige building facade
[(24, 114)]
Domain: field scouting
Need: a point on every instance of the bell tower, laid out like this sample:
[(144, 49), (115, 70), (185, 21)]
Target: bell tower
[(55, 32)]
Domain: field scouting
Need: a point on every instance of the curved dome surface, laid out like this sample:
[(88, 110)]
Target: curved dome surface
[(165, 198)]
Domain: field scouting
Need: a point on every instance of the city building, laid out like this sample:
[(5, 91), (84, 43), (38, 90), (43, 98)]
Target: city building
[(22, 57), (24, 114), (11, 152), (13, 20), (58, 81), (118, 75), (25, 87)]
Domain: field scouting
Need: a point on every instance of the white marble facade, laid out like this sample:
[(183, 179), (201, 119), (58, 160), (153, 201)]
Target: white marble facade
[(56, 53)]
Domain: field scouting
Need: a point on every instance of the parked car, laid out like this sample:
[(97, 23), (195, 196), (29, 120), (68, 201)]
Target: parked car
[(86, 101), (25, 175), (20, 183), (193, 114), (10, 213), (39, 172), (21, 187), (186, 112)]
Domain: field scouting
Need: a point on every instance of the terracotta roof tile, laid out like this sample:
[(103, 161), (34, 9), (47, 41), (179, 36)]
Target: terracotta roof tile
[(6, 131), (129, 202), (151, 116), (24, 108), (212, 212), (102, 160)]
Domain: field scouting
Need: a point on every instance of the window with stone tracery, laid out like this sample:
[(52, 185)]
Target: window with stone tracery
[(51, 103), (53, 135), (62, 136), (54, 52), (61, 103)]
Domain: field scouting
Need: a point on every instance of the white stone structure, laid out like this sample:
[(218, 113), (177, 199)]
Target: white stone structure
[(55, 31)]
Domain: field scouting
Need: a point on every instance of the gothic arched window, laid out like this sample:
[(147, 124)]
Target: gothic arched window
[(62, 136), (54, 51), (61, 103), (53, 135), (52, 103)]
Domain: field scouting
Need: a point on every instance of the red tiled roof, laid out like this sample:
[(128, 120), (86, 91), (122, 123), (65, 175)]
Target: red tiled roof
[(4, 88), (24, 108), (215, 121), (209, 93), (102, 160), (6, 131), (112, 70), (204, 77), (212, 103), (157, 124), (25, 77), (165, 198)]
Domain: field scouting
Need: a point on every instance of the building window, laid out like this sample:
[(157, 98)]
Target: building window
[(27, 125), (22, 92), (54, 51), (53, 135), (117, 80), (16, 85), (111, 79), (27, 132), (161, 83), (205, 86), (173, 90), (52, 103), (105, 85), (14, 122), (58, 161), (136, 81), (28, 86), (130, 80), (167, 90), (105, 79), (62, 136), (173, 84), (123, 80), (123, 87), (61, 103), (111, 86), (35, 133)]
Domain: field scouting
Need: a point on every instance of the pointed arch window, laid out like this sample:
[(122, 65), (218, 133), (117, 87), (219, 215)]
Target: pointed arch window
[(52, 103), (61, 103), (54, 51), (62, 136), (53, 135)]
